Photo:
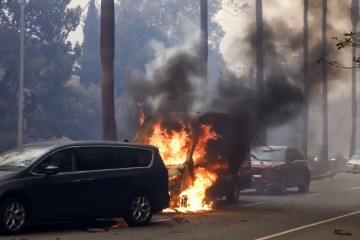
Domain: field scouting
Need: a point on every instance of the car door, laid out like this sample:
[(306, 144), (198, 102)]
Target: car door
[(57, 196), (294, 164), (99, 167)]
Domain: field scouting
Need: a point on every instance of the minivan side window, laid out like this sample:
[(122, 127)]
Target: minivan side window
[(95, 158), (62, 159), (134, 157)]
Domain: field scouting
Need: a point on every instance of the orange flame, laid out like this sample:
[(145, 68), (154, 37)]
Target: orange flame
[(207, 134), (174, 146), (142, 115), (193, 197)]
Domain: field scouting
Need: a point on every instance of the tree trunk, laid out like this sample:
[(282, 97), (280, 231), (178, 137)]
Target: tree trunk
[(107, 38), (204, 43), (306, 80), (324, 153), (354, 21), (260, 70)]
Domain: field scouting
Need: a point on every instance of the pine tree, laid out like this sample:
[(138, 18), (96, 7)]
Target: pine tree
[(90, 72)]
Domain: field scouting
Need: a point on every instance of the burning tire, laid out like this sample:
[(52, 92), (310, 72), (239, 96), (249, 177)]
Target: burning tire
[(13, 215), (138, 210)]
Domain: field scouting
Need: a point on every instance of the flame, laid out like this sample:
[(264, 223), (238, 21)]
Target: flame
[(174, 146), (142, 115), (207, 134), (193, 197)]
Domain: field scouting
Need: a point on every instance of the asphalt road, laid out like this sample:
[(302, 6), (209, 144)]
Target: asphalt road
[(331, 210)]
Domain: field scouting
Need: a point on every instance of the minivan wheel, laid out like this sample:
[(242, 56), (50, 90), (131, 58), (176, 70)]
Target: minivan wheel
[(233, 196), (304, 188), (138, 210), (13, 215)]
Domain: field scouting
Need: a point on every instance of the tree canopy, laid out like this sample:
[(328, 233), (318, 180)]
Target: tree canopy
[(49, 60)]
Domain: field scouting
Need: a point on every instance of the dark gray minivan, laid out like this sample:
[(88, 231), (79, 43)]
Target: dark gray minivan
[(80, 180)]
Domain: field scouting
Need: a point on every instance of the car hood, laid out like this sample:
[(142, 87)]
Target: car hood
[(266, 163), (357, 161)]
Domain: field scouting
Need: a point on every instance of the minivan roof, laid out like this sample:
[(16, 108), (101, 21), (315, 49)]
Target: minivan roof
[(55, 144)]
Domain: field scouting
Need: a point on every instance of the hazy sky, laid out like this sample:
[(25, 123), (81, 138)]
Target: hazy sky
[(77, 35)]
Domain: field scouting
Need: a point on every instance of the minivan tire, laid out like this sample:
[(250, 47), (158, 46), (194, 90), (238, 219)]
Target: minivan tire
[(13, 216), (138, 211)]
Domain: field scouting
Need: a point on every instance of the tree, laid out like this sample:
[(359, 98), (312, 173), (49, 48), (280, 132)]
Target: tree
[(306, 79), (48, 64), (204, 42), (90, 72), (354, 20), (107, 38), (324, 153), (260, 67)]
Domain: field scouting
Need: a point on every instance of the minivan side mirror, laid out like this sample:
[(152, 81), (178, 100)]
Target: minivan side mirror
[(51, 170)]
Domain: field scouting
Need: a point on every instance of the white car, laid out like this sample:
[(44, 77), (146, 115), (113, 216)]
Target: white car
[(353, 165)]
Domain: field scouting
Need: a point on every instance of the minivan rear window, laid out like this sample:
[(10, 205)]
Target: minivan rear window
[(134, 157)]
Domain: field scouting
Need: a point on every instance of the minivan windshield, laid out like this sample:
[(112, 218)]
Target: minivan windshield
[(268, 154), (20, 157)]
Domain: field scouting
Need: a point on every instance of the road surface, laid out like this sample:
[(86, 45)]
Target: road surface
[(330, 210)]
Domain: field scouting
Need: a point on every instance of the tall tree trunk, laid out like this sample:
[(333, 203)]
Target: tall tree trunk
[(204, 43), (354, 21), (324, 153), (260, 68), (107, 38), (306, 79)]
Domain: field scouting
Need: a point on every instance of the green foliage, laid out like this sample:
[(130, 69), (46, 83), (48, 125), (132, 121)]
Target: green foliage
[(138, 22), (48, 64), (350, 40), (90, 72)]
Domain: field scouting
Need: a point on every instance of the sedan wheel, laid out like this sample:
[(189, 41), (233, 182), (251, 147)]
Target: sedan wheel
[(283, 186), (304, 188), (13, 216), (139, 210)]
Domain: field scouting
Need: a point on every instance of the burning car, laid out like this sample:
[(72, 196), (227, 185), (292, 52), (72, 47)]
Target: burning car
[(203, 161)]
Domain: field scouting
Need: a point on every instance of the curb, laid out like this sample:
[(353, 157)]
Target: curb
[(329, 174)]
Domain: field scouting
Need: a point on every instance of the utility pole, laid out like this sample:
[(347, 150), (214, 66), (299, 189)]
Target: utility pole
[(21, 75)]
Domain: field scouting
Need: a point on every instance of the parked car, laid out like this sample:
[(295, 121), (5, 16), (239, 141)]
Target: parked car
[(353, 165), (70, 181), (277, 168)]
